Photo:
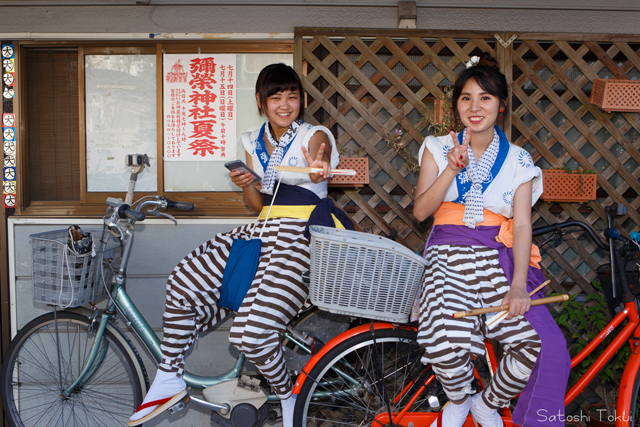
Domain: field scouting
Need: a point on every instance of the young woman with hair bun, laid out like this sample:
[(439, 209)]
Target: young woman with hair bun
[(480, 189)]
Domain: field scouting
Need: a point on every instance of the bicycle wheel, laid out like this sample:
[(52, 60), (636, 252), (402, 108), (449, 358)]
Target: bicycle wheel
[(634, 410), (41, 362), (359, 380)]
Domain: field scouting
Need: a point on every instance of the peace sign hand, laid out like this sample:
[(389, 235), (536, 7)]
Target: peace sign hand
[(318, 163), (458, 156)]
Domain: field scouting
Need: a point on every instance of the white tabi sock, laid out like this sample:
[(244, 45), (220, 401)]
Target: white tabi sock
[(483, 414), (288, 405), (166, 385), (454, 415)]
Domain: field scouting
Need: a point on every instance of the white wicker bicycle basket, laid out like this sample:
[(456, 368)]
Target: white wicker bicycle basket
[(363, 275), (64, 279)]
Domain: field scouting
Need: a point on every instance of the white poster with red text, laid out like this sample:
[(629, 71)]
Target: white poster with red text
[(199, 107)]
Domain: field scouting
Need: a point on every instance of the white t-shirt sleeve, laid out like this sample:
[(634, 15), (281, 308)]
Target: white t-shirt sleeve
[(335, 156), (439, 147), (526, 171), (247, 143)]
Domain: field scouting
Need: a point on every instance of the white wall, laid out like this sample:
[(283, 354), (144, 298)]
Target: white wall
[(586, 16), (158, 247)]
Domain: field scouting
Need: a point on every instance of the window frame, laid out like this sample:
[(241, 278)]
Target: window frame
[(207, 204)]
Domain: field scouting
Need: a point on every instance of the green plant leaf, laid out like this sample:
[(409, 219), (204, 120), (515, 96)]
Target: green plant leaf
[(563, 318)]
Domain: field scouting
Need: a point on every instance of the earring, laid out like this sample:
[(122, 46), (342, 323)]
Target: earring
[(500, 115)]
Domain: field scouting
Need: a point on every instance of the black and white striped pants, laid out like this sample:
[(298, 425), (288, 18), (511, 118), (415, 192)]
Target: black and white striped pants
[(274, 298), (465, 278)]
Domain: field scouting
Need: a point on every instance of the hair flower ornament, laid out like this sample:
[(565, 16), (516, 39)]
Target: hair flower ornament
[(473, 62)]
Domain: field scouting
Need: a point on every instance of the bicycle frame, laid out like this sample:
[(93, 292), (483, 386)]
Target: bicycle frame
[(630, 332), (121, 301)]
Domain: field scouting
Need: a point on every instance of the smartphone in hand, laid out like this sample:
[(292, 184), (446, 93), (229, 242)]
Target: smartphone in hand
[(243, 168)]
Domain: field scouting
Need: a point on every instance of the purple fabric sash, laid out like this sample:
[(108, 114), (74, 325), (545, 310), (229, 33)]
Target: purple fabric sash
[(543, 397)]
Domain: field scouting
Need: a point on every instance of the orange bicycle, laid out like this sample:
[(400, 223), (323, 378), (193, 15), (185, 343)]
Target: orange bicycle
[(371, 375)]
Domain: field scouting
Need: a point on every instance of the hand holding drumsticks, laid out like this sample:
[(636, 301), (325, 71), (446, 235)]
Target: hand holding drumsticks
[(505, 307)]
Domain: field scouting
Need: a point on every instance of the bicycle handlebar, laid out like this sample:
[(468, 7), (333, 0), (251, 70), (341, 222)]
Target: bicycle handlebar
[(152, 205), (555, 228), (126, 211), (160, 202), (181, 206), (612, 234)]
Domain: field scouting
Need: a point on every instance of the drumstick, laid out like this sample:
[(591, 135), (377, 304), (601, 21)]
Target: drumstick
[(301, 169), (497, 318), (539, 287), (503, 307)]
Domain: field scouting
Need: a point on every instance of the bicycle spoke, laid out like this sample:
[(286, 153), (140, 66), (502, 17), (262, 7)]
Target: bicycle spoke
[(117, 401), (52, 371), (42, 413), (352, 385), (98, 404), (333, 421), (36, 383), (115, 398), (103, 372), (71, 345), (109, 396), (59, 418), (76, 417)]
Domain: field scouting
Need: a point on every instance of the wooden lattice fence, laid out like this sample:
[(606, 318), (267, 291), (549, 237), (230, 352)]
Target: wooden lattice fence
[(553, 118), (376, 90)]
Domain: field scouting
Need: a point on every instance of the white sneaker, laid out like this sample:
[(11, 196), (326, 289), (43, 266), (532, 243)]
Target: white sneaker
[(288, 406), (453, 415), (167, 390), (484, 415)]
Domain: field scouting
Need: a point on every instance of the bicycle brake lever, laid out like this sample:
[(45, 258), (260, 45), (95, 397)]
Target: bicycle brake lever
[(156, 212), (556, 234)]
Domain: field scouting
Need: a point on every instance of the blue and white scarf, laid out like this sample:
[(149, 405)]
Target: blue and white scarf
[(478, 172), (270, 175)]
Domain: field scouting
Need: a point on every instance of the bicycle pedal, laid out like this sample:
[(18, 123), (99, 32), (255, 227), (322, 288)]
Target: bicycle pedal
[(179, 406), (434, 403)]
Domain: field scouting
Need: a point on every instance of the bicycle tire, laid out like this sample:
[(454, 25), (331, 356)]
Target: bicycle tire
[(143, 375), (336, 401), (31, 381), (634, 410)]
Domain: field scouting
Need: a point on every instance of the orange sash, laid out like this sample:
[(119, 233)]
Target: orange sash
[(453, 213)]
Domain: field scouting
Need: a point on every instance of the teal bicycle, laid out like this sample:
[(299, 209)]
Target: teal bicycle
[(77, 368)]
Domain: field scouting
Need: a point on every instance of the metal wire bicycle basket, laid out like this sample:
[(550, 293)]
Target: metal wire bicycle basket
[(67, 280), (363, 275)]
